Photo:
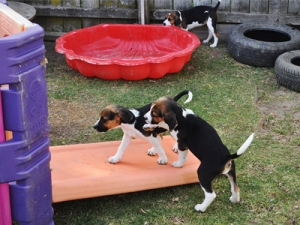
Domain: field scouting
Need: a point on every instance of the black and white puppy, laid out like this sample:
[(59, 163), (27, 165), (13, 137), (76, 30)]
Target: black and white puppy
[(196, 17), (132, 121), (202, 140)]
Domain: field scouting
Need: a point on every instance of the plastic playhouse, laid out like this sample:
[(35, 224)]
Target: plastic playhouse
[(25, 158)]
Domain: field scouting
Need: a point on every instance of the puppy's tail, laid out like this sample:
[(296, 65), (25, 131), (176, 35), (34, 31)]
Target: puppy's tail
[(186, 92), (217, 5), (243, 148)]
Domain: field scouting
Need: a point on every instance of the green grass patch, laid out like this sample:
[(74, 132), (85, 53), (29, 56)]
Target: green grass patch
[(233, 98)]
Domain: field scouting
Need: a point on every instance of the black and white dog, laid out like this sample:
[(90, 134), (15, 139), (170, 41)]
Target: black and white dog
[(202, 140), (132, 121), (196, 17)]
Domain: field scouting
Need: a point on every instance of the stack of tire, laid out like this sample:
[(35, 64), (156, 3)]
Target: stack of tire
[(269, 45)]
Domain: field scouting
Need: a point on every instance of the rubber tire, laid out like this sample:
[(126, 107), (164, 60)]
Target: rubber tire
[(261, 53), (287, 73)]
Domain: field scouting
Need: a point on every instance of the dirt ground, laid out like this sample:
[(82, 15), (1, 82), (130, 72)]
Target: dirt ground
[(281, 108), (68, 118)]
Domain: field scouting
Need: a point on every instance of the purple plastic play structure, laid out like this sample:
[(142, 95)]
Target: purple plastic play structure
[(25, 159), (5, 213)]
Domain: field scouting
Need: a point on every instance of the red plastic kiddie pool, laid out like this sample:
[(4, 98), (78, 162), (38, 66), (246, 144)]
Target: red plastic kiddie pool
[(130, 52)]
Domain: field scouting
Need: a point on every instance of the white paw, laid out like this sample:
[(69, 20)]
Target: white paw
[(205, 41), (213, 45), (234, 198), (149, 127), (151, 152), (177, 164), (175, 148), (113, 159), (162, 160), (200, 207)]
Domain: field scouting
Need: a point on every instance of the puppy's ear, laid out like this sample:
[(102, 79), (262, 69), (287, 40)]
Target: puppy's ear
[(125, 115), (170, 119), (177, 21)]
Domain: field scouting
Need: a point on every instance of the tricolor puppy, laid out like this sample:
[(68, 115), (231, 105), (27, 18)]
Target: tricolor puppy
[(202, 140), (196, 17), (132, 121)]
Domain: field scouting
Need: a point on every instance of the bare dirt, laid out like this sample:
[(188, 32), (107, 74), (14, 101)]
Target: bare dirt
[(67, 118), (281, 117), (282, 107)]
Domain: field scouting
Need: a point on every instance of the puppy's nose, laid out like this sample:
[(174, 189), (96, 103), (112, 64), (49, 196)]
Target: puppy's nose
[(95, 126), (164, 24)]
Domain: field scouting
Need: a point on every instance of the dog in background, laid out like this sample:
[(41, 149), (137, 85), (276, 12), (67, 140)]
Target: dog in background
[(196, 17), (132, 121), (202, 140)]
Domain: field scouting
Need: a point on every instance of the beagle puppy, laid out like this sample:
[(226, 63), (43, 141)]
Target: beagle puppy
[(202, 140), (132, 121), (196, 17)]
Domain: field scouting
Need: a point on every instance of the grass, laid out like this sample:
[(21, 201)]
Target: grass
[(230, 96)]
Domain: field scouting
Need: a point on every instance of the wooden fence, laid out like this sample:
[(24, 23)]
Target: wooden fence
[(57, 16)]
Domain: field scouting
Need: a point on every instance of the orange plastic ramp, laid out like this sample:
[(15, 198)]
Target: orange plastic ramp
[(83, 171)]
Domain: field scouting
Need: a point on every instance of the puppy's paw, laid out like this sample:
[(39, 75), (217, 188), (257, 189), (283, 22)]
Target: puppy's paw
[(148, 127), (200, 208), (213, 45), (235, 198), (151, 152), (177, 164), (175, 148), (162, 160), (205, 41), (113, 159)]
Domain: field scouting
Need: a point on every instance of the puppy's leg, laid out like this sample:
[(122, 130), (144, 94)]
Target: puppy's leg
[(174, 136), (162, 157), (182, 156), (209, 198), (152, 151), (235, 197), (211, 32), (175, 148), (205, 179), (208, 37), (182, 152), (213, 27), (216, 39), (124, 144)]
